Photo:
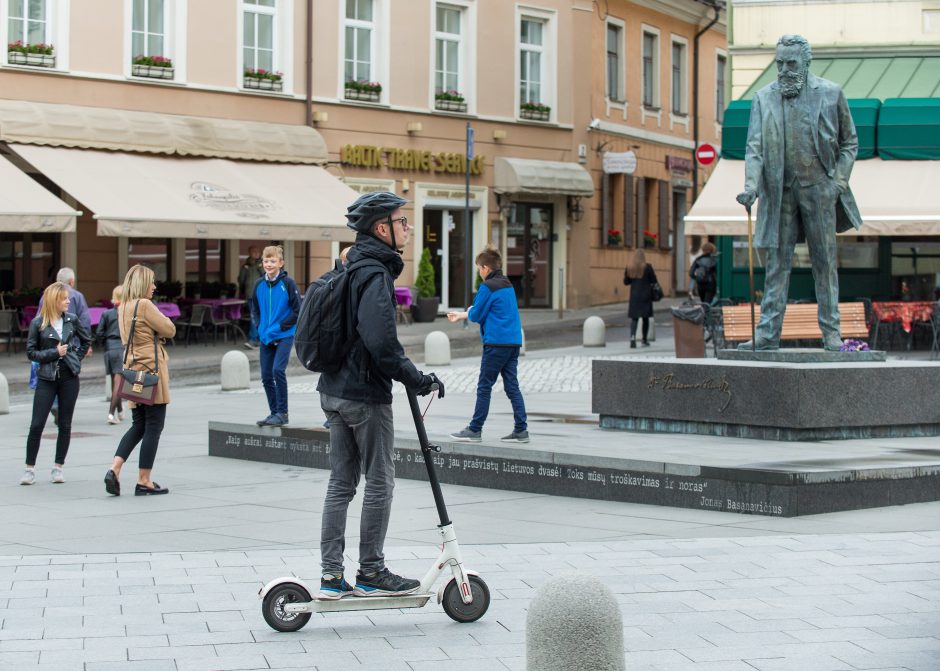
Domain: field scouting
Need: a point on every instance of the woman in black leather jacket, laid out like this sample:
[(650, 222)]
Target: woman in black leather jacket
[(58, 343)]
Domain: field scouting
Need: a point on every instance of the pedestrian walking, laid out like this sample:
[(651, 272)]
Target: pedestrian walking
[(108, 336), (496, 310), (357, 400), (57, 341), (144, 351), (248, 274), (640, 277), (275, 304), (704, 272)]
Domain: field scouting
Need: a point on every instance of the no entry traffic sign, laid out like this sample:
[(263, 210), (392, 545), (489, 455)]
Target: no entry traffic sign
[(706, 154)]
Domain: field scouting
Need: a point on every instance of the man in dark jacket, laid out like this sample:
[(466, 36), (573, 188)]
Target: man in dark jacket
[(357, 400)]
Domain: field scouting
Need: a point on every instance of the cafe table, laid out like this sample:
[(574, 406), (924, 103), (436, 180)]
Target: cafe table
[(903, 313)]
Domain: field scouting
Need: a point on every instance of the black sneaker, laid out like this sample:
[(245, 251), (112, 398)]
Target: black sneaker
[(384, 583), (333, 588)]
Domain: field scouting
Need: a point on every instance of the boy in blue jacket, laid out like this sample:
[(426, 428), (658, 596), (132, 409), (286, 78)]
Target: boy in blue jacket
[(275, 304), (496, 311)]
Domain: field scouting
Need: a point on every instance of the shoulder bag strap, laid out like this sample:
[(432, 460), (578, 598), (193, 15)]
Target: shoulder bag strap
[(129, 347)]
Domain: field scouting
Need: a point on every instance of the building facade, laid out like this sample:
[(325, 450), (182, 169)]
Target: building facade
[(371, 94)]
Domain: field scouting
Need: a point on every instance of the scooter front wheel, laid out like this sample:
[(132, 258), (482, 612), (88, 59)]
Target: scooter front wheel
[(466, 612), (273, 607)]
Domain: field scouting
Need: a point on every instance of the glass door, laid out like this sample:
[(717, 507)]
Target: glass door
[(444, 237), (529, 238)]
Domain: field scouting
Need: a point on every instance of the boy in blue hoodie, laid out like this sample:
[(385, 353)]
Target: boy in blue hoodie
[(496, 311), (275, 304)]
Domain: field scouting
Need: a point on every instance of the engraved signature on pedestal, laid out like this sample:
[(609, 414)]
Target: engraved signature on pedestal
[(668, 382)]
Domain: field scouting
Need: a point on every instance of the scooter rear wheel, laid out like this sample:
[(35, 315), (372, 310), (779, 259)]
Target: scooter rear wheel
[(466, 612), (273, 607)]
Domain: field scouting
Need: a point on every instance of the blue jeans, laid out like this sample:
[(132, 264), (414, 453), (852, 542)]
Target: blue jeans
[(362, 439), (274, 358), (496, 361)]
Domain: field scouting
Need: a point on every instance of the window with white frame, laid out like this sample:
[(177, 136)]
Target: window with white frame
[(721, 65), (259, 35), (148, 28), (615, 70), (650, 69), (679, 69), (360, 40), (28, 22), (531, 60), (448, 45)]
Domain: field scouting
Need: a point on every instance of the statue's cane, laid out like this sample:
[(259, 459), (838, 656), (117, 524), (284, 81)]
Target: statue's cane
[(750, 272)]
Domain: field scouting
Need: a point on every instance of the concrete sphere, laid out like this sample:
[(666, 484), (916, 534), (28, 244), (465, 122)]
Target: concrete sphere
[(236, 371), (437, 349), (574, 624), (594, 332)]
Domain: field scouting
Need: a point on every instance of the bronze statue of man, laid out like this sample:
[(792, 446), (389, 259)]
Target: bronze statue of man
[(801, 145)]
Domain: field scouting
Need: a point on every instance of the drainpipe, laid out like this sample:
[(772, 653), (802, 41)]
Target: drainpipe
[(308, 52), (715, 5)]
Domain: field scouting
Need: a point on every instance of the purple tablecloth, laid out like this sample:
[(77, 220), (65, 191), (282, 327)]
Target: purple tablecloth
[(222, 308), (403, 296)]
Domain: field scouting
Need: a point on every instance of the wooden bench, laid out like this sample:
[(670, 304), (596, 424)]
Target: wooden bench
[(800, 321)]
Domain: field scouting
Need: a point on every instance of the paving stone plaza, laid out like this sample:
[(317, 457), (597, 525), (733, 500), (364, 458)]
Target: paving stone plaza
[(93, 583)]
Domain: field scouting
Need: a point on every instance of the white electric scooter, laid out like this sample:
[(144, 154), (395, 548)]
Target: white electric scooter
[(287, 604)]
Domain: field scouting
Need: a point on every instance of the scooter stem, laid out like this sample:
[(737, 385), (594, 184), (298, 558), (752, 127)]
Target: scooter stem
[(426, 450)]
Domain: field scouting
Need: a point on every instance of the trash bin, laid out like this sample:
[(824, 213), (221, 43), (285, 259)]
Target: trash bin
[(688, 325)]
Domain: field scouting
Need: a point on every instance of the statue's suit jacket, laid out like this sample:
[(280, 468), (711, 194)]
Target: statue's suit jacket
[(836, 146)]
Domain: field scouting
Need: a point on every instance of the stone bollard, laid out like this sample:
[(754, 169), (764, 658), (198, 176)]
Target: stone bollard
[(522, 349), (4, 395), (437, 349), (595, 332), (236, 371), (574, 624)]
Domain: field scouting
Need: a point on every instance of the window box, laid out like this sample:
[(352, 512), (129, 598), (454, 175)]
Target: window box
[(263, 84), (153, 71), (362, 95), (450, 105), (36, 60), (535, 114)]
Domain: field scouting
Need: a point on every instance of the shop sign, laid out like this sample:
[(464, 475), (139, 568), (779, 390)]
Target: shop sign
[(678, 164), (370, 156), (623, 162)]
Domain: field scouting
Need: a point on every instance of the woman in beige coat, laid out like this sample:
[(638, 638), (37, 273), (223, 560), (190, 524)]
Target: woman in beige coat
[(148, 420)]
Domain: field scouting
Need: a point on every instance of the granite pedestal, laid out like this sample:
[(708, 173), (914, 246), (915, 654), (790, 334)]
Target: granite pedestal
[(769, 400)]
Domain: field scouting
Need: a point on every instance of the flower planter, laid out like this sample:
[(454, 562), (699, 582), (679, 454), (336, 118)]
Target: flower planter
[(425, 309), (614, 242), (37, 60), (152, 71), (362, 96), (450, 105), (534, 115), (649, 244), (264, 84)]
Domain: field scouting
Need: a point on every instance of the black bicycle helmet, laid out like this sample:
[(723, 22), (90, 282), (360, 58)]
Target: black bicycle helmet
[(370, 207)]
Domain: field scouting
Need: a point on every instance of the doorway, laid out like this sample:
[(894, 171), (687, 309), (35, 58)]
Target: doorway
[(680, 243), (529, 238), (445, 237)]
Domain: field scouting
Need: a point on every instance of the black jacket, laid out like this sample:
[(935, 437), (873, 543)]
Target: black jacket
[(109, 331), (709, 264), (641, 293), (41, 346), (376, 357)]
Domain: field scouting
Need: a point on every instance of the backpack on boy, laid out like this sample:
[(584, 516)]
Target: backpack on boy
[(326, 324)]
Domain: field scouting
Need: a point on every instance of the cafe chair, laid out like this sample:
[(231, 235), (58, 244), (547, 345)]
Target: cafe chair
[(198, 319), (224, 324), (10, 328)]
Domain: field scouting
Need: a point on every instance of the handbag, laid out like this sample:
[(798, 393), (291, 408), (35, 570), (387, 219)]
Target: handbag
[(657, 292), (139, 386)]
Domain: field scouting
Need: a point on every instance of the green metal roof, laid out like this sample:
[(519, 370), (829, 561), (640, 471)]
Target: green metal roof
[(889, 77)]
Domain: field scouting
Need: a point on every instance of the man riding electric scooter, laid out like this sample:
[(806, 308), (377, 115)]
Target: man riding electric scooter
[(357, 400)]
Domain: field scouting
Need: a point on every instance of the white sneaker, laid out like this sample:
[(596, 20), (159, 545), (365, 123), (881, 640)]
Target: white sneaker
[(29, 477), (58, 477), (112, 419)]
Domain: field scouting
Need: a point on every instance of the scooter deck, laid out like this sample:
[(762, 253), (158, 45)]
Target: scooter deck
[(359, 603)]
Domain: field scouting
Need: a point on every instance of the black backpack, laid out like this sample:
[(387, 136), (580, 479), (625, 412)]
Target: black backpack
[(325, 325)]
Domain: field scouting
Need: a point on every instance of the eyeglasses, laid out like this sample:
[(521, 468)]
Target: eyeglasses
[(404, 222)]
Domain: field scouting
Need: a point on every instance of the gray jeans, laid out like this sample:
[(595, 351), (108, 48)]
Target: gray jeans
[(361, 440)]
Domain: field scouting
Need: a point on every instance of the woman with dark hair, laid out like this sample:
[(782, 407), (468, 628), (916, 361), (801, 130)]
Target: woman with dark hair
[(57, 341), (640, 277), (704, 272)]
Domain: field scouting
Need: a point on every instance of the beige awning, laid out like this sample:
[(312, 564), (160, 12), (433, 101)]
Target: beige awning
[(138, 195), (894, 198), (26, 207), (524, 175), (27, 122)]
